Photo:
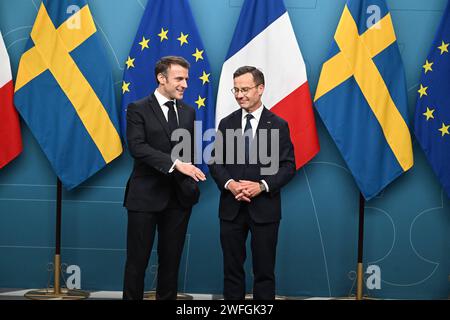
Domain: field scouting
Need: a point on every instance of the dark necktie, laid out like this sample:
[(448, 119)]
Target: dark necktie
[(248, 136), (172, 116)]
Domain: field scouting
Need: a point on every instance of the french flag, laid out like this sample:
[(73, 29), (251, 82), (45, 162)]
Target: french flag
[(10, 137), (264, 38)]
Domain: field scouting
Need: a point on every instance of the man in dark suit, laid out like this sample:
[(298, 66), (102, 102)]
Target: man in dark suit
[(162, 189), (250, 200)]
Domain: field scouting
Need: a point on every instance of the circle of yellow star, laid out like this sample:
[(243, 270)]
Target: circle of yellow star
[(444, 47), (200, 102), (183, 39), (163, 34), (144, 43), (423, 91), (444, 129), (198, 55), (429, 114), (205, 77), (130, 63), (427, 66), (125, 87)]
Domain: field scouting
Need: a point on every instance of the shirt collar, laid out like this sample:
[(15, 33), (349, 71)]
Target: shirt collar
[(257, 113), (161, 99)]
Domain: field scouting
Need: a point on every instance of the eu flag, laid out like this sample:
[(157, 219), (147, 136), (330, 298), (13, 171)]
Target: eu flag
[(65, 94), (432, 117), (168, 29), (362, 98)]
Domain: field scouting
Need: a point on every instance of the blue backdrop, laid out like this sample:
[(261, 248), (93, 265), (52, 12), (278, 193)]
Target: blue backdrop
[(407, 226)]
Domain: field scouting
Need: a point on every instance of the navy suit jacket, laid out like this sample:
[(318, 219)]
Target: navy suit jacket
[(266, 207)]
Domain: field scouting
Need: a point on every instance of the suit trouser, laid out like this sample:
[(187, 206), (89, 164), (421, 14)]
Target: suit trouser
[(171, 224), (264, 237)]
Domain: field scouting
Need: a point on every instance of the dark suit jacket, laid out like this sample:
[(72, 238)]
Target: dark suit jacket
[(265, 208), (150, 185)]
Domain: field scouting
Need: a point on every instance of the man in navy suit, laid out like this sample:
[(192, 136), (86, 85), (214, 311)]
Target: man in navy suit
[(161, 191), (250, 199)]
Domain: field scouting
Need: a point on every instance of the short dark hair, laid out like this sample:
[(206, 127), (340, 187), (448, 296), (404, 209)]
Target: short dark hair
[(165, 62), (257, 74)]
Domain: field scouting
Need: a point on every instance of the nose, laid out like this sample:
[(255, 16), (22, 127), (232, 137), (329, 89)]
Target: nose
[(184, 84)]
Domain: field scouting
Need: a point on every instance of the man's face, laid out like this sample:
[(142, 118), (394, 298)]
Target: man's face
[(250, 100), (174, 84)]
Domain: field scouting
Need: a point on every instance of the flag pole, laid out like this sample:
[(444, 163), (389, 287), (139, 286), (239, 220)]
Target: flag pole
[(360, 272), (57, 292)]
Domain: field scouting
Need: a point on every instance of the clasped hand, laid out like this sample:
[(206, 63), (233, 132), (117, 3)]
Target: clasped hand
[(244, 190)]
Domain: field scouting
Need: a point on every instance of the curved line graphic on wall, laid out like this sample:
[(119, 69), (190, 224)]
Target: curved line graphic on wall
[(109, 45), (35, 5), (16, 30), (393, 231), (15, 42), (436, 264), (428, 261), (319, 229)]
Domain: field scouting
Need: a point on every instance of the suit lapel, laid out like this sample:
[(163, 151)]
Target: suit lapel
[(182, 116), (264, 121), (154, 105), (237, 121)]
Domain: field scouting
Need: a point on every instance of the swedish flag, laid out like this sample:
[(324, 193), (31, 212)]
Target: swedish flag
[(432, 117), (64, 92), (168, 29), (362, 97)]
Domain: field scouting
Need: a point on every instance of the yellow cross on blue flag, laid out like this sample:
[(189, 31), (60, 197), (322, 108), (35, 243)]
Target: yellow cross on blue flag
[(432, 118), (168, 29), (64, 92), (362, 97)]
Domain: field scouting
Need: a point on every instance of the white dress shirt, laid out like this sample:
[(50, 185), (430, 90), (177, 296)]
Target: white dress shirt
[(162, 103), (254, 123), (165, 109)]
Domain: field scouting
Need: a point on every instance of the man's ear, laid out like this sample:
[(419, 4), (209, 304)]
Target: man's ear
[(261, 89), (161, 78)]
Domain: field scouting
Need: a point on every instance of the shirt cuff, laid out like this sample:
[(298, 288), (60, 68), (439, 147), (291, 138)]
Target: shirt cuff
[(172, 168), (266, 185), (228, 182)]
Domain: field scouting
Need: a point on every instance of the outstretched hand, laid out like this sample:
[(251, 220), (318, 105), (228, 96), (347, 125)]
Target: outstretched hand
[(190, 170)]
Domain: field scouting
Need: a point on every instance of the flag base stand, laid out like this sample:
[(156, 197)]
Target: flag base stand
[(151, 295), (360, 269), (250, 297), (359, 295), (52, 294), (57, 293), (353, 298), (359, 282)]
